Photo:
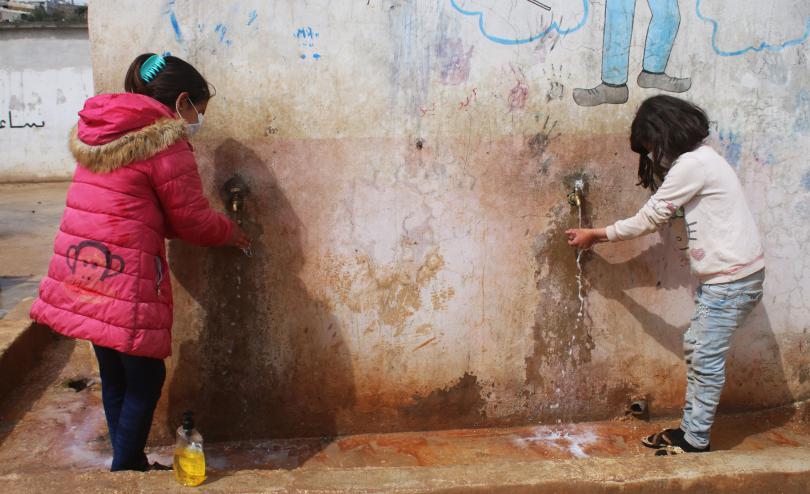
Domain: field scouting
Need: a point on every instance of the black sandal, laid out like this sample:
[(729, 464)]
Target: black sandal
[(678, 444), (669, 451), (663, 439), (679, 450)]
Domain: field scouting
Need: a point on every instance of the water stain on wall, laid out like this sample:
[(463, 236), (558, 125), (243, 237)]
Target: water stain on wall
[(291, 327), (392, 291), (267, 358), (558, 339), (462, 401)]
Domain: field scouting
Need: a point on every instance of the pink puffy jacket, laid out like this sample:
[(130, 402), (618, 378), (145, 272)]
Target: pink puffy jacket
[(136, 185)]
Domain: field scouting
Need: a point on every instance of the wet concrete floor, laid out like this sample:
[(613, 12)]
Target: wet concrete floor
[(47, 426), (28, 224)]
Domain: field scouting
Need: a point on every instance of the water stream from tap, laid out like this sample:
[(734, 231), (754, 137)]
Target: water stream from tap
[(578, 187)]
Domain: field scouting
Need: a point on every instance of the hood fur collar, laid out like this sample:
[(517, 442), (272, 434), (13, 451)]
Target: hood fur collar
[(129, 148)]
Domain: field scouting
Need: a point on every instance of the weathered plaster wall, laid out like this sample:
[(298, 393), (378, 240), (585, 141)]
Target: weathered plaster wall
[(45, 76), (409, 162)]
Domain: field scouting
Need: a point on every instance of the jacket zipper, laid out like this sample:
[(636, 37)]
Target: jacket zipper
[(159, 268)]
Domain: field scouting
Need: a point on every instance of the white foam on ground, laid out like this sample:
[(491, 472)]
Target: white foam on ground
[(573, 440)]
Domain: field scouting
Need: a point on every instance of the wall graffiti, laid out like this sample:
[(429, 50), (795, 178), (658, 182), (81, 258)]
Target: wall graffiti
[(802, 123), (731, 145), (9, 123), (443, 138), (178, 35), (661, 33), (540, 4), (427, 111), (222, 31), (454, 61), (308, 38), (472, 97), (252, 16), (755, 47), (519, 93), (524, 21), (510, 17)]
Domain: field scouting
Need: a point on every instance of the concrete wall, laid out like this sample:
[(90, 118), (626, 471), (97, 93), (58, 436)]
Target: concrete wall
[(409, 162), (45, 77)]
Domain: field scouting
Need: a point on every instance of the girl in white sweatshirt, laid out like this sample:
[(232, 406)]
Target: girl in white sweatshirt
[(725, 250)]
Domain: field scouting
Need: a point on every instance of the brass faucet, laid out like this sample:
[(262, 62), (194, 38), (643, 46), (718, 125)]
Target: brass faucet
[(575, 196), (235, 190), (237, 201)]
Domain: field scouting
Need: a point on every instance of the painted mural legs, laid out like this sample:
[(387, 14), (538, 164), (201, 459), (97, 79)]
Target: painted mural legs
[(661, 33), (664, 82), (601, 94)]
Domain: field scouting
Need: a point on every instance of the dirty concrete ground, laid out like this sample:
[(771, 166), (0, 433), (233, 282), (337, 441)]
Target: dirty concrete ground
[(28, 223), (53, 423)]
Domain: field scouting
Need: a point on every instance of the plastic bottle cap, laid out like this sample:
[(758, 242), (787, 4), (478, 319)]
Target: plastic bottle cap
[(188, 421)]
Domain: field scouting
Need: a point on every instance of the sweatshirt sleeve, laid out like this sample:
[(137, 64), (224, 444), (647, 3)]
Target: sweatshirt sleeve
[(188, 212), (684, 180)]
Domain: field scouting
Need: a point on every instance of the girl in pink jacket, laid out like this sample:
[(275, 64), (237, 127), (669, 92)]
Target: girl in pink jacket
[(136, 184)]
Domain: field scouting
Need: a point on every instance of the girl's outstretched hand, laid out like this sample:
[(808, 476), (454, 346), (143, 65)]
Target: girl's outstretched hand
[(239, 238), (584, 238)]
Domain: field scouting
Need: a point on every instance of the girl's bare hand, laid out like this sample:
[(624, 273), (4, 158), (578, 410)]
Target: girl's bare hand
[(239, 238), (582, 238)]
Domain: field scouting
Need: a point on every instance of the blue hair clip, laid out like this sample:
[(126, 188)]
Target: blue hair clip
[(151, 67)]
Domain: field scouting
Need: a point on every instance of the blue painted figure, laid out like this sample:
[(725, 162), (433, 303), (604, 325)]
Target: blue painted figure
[(619, 14)]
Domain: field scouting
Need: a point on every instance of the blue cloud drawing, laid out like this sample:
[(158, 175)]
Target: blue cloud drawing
[(735, 28), (526, 21), (178, 35)]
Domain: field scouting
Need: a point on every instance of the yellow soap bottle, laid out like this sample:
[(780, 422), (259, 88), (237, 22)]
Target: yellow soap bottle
[(189, 459)]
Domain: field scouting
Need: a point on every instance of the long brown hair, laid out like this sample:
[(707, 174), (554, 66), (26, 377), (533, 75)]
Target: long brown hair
[(670, 127)]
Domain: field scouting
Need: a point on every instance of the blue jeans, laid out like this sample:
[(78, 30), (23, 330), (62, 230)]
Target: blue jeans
[(619, 14), (721, 309), (130, 390)]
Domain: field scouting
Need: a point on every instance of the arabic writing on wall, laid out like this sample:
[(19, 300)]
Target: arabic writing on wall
[(9, 123)]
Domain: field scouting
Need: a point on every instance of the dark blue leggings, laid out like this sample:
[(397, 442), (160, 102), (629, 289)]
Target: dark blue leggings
[(130, 389)]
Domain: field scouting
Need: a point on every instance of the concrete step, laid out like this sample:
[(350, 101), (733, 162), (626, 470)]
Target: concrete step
[(772, 470), (21, 346), (53, 440)]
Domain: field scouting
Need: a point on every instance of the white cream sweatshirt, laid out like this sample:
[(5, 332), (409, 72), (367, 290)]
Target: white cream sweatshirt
[(724, 243)]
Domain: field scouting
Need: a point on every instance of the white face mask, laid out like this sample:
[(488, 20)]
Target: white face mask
[(650, 156), (193, 128)]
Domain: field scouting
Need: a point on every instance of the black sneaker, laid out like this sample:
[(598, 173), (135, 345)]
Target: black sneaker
[(158, 467)]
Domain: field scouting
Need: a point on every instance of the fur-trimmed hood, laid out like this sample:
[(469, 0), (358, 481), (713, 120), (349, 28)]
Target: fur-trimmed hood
[(115, 130)]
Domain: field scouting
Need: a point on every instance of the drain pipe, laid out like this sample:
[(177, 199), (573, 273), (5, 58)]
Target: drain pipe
[(638, 409)]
